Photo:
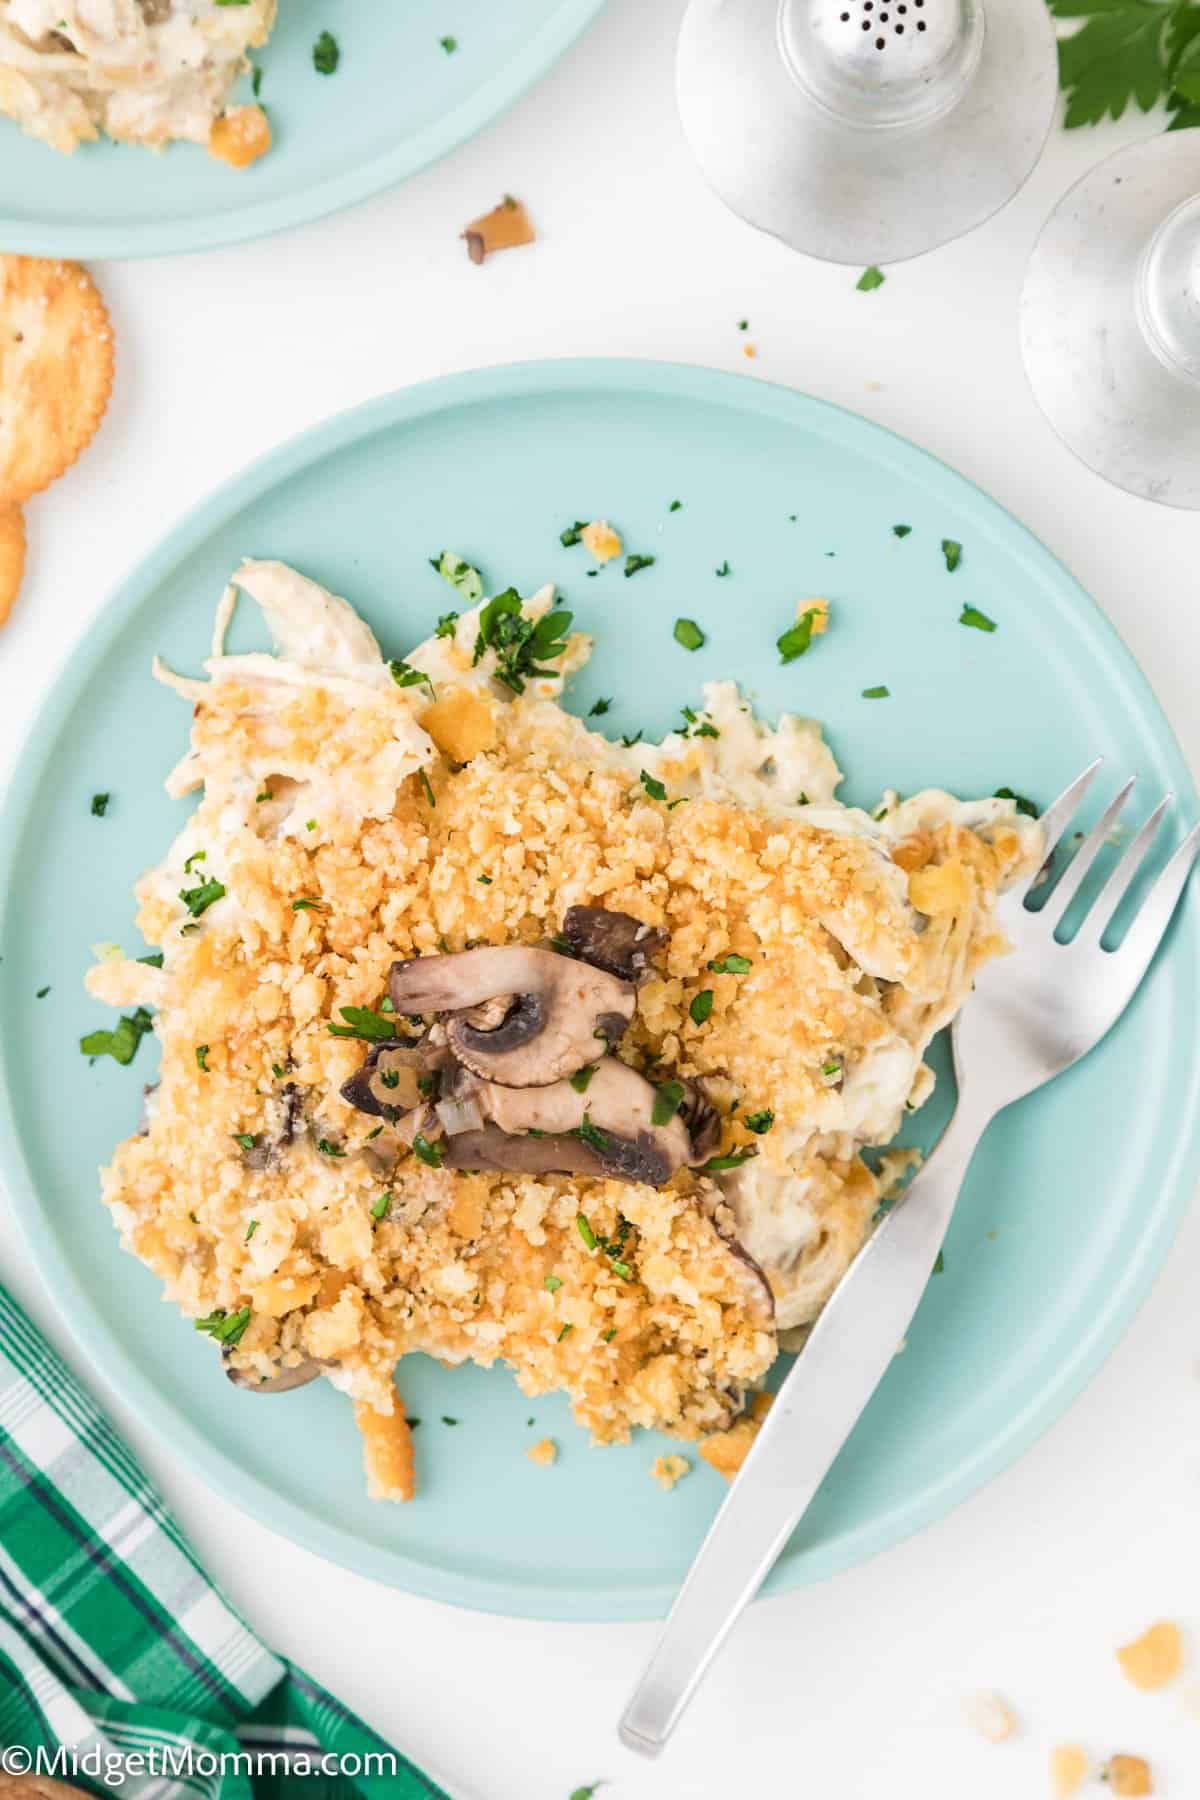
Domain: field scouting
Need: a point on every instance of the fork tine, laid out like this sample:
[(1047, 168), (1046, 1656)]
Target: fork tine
[(1055, 819), (1100, 915), (1154, 915), (1076, 873)]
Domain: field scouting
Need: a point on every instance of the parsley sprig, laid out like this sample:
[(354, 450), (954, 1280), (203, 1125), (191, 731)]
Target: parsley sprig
[(520, 645), (1139, 50)]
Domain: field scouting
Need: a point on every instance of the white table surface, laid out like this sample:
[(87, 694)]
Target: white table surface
[(852, 1688)]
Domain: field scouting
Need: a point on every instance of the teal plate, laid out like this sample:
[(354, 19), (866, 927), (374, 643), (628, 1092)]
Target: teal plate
[(397, 102), (1072, 1202)]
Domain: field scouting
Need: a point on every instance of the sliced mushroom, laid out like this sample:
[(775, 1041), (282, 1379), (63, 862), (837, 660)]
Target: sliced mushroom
[(559, 1014), (388, 1081), (610, 1116), (752, 1277), (491, 1148), (615, 941), (288, 1378)]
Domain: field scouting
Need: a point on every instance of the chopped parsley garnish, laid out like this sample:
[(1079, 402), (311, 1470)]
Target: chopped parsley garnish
[(675, 506), (571, 534), (520, 645), (901, 531), (306, 905), (195, 857), (310, 825), (449, 45), (582, 1078), (265, 795), (552, 1283), (831, 1068), (796, 639), (722, 571), (199, 899), (600, 708), (877, 693), (447, 1420), (940, 1265), (668, 1098), (591, 1134), (278, 1071), (870, 279), (256, 82), (41, 993), (445, 625), (689, 634), (758, 1122), (585, 1231), (246, 1139), (202, 1057), (693, 727), (743, 325), (952, 551), (428, 786), (226, 1327), (405, 676), (733, 1160), (328, 1149), (390, 1078), (701, 1007), (361, 1022), (430, 1154), (484, 880), (100, 805), (379, 1208), (731, 964), (154, 960), (565, 1332), (1019, 801), (623, 1270), (461, 575), (634, 562), (326, 54), (121, 1043), (251, 1228), (979, 621), (608, 1337), (629, 742), (653, 787)]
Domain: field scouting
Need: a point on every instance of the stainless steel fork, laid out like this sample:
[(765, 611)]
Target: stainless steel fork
[(1030, 1017)]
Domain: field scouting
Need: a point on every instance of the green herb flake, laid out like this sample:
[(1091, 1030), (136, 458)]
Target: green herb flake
[(552, 1283), (733, 1160), (701, 1006), (607, 1337), (675, 506), (565, 1332), (430, 1154), (379, 1208), (100, 805), (227, 1327), (306, 905), (571, 534), (310, 825), (582, 1078), (484, 880), (326, 54), (689, 634), (256, 81), (653, 787), (831, 1068), (1019, 801), (122, 1042), (978, 621), (251, 1228), (463, 576), (328, 1149), (427, 785), (796, 639), (629, 742), (193, 859), (870, 279), (585, 1231), (199, 899), (759, 1122), (598, 710), (154, 960), (622, 1269), (635, 562), (731, 964), (877, 693), (668, 1098), (41, 993), (447, 1420), (449, 45), (202, 1057), (952, 550), (246, 1139), (361, 1022), (405, 676), (743, 325), (521, 646), (901, 531), (591, 1134), (265, 795), (939, 1267)]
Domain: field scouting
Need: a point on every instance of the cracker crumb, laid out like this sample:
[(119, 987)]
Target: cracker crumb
[(1154, 1659), (726, 1451), (990, 1716), (1069, 1766), (1128, 1776), (668, 1470), (602, 540), (240, 137), (543, 1453)]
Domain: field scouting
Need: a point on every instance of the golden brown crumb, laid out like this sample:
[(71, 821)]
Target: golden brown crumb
[(1153, 1659), (990, 1716), (603, 542), (1069, 1767), (12, 557), (749, 350), (1128, 1776), (387, 1451), (668, 1470), (726, 1451), (240, 137), (543, 1453), (506, 227), (462, 724)]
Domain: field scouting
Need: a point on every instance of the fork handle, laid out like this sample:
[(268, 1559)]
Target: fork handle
[(814, 1413)]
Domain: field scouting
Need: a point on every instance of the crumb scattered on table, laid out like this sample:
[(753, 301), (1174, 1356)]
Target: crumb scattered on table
[(989, 1715), (668, 1470), (1069, 1768), (506, 227), (543, 1453), (1128, 1776), (1153, 1659)]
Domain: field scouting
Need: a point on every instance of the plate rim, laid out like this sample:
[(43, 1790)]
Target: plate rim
[(111, 1368), (241, 224)]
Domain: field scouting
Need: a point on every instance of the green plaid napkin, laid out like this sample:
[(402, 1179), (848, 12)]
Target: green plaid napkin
[(117, 1652)]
